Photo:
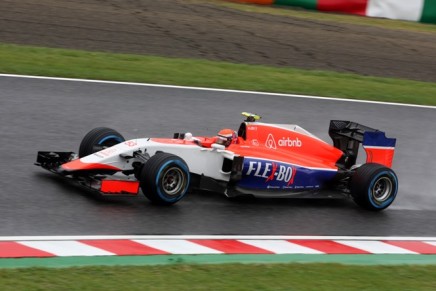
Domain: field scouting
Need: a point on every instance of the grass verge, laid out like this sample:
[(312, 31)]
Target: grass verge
[(15, 59), (223, 277)]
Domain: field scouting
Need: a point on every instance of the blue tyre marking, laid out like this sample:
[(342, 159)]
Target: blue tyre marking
[(393, 193), (109, 137), (159, 192)]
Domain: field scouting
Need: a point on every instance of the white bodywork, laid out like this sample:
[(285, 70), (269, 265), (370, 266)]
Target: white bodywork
[(200, 160)]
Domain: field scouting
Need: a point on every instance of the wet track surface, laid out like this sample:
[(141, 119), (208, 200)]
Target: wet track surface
[(55, 115)]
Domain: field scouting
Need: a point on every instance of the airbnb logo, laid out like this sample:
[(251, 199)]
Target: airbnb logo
[(270, 142), (287, 142), (283, 142)]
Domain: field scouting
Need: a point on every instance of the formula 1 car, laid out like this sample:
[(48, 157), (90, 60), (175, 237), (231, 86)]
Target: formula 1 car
[(262, 160)]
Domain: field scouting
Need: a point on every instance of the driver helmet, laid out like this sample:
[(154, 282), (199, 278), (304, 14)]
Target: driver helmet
[(226, 137)]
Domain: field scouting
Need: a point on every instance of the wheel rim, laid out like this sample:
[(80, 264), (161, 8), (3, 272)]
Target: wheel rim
[(173, 181), (382, 189)]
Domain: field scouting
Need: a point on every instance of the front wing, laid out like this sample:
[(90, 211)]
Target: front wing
[(97, 183)]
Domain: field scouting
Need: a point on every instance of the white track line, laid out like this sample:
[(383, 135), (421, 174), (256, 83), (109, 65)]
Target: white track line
[(212, 237), (217, 90)]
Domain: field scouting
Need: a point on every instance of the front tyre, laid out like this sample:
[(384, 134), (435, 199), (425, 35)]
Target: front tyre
[(374, 187), (98, 139), (164, 179)]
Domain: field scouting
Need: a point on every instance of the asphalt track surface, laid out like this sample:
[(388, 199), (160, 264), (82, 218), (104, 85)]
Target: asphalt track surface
[(37, 114)]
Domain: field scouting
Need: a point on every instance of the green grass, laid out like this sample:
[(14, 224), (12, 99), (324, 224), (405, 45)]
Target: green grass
[(223, 277), (326, 17), (15, 59)]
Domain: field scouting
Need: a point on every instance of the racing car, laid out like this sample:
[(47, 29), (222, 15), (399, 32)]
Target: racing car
[(260, 159)]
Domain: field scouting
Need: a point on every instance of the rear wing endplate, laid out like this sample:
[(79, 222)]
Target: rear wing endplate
[(348, 135)]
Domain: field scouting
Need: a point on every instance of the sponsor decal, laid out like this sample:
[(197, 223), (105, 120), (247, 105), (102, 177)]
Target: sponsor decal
[(108, 152), (264, 174), (288, 142), (130, 143), (271, 171), (270, 142), (283, 142), (255, 142)]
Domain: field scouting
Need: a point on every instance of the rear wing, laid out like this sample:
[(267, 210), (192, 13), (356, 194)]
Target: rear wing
[(348, 135)]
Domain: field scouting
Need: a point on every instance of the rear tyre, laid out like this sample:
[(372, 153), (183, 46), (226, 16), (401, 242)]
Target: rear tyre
[(374, 187), (98, 139), (164, 179)]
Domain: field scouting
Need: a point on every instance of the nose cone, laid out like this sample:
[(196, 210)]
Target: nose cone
[(79, 165)]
